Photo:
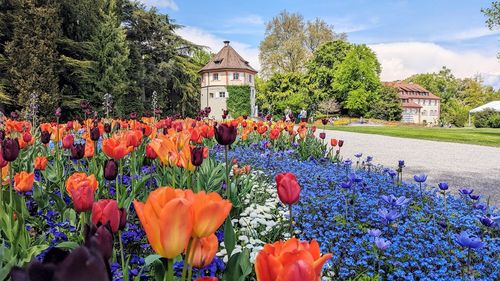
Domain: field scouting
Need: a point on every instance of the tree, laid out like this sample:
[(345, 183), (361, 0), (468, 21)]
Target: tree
[(493, 15), (357, 81), (32, 57), (388, 107), (323, 64), (328, 106), (318, 32), (284, 90), (289, 42), (238, 102), (110, 53)]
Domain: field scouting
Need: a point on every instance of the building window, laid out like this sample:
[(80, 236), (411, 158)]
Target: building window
[(424, 113), (250, 78), (215, 76), (211, 95), (222, 94), (236, 76)]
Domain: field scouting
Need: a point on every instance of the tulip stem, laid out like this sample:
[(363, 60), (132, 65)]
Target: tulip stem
[(228, 186), (291, 220), (170, 270), (186, 261), (124, 269)]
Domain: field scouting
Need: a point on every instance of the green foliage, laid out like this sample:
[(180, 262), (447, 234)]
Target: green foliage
[(238, 102), (285, 90), (31, 56), (357, 82), (493, 15), (388, 107), (487, 118)]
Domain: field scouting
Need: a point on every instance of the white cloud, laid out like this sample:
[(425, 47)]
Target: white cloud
[(466, 34), (205, 38), (400, 60), (161, 4), (249, 19)]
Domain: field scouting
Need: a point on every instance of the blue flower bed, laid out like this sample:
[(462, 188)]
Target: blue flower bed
[(418, 239)]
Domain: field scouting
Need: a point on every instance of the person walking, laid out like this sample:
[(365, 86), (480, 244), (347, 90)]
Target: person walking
[(303, 115)]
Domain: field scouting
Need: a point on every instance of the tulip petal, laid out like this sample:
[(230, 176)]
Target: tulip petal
[(176, 225), (267, 267)]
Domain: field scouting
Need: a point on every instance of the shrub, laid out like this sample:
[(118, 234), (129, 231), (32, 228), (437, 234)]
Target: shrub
[(487, 118), (238, 102)]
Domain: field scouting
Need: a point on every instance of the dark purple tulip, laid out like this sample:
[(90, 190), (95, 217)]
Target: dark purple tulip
[(486, 221), (110, 169), (245, 117), (474, 197), (443, 186), (381, 243), (226, 112), (45, 137), (10, 149), (77, 151), (107, 128), (324, 121), (420, 178), (225, 134), (14, 115), (95, 134), (102, 237), (465, 191), (322, 135), (123, 219), (401, 163), (374, 232), (133, 115), (467, 241), (208, 110), (341, 143), (388, 216), (2, 134), (197, 155)]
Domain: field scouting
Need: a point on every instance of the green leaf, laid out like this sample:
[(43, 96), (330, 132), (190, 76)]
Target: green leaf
[(229, 236), (150, 259), (67, 245)]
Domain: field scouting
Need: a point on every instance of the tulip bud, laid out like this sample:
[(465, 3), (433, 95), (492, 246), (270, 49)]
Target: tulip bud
[(341, 143), (107, 128), (322, 135), (94, 133), (197, 155), (288, 188), (245, 117), (208, 109), (324, 121), (244, 124), (123, 219), (58, 112), (27, 137), (45, 137), (10, 149), (225, 134), (110, 169), (68, 141), (150, 153), (133, 115), (77, 151)]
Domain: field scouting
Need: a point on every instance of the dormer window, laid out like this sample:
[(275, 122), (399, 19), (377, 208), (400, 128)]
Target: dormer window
[(219, 61)]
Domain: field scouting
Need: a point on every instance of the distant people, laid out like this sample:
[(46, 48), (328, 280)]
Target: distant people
[(303, 115), (288, 114)]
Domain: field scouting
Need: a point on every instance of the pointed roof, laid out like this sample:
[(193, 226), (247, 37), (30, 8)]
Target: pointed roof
[(227, 58), (411, 90)]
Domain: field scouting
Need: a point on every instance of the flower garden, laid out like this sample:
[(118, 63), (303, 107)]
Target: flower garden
[(195, 199)]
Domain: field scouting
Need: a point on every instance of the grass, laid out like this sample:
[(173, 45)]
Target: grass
[(488, 137)]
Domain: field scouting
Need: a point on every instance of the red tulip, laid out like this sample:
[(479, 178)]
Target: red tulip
[(150, 153), (106, 210), (288, 188), (333, 142), (67, 141)]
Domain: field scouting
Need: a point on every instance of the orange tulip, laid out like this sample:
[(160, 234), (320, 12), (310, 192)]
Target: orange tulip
[(133, 137), (41, 163), (24, 181), (116, 149), (274, 134), (291, 260), (167, 219), (204, 250), (89, 149), (81, 188), (333, 142), (209, 212)]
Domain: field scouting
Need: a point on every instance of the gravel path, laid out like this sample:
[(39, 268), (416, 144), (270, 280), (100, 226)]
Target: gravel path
[(461, 165)]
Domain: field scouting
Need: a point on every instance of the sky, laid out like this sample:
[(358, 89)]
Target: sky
[(408, 36)]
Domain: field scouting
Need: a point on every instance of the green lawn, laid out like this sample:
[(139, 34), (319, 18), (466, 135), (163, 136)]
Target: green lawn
[(489, 137)]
